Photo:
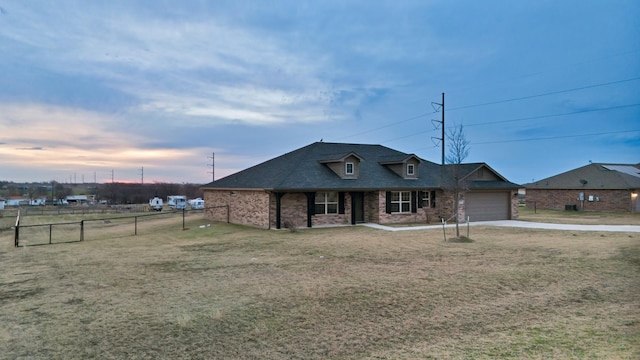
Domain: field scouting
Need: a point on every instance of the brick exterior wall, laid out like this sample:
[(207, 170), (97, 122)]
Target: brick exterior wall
[(372, 207), (610, 200), (247, 207), (294, 209), (423, 215), (258, 208), (515, 206), (446, 204)]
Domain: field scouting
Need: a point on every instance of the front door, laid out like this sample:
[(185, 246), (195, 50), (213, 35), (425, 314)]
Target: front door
[(357, 207)]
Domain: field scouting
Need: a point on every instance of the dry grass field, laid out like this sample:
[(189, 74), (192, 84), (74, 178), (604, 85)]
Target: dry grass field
[(230, 292), (579, 217)]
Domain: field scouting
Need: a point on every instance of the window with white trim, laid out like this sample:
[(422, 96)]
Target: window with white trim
[(426, 199), (348, 168), (410, 169), (326, 203), (400, 201)]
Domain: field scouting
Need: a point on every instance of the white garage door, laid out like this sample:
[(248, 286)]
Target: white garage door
[(484, 206)]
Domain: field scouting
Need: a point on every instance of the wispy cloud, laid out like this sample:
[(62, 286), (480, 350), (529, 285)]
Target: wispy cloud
[(29, 125), (74, 138), (122, 83), (232, 74)]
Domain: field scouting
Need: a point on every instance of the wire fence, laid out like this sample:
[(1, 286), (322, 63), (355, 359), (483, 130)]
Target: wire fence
[(76, 210), (103, 228)]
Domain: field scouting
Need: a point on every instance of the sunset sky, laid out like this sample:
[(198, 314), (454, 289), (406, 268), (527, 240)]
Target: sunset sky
[(91, 89)]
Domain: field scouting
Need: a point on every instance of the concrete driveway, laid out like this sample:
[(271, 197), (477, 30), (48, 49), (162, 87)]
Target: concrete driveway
[(520, 224)]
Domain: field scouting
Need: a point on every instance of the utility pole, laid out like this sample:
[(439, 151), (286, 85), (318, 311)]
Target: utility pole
[(142, 175), (440, 122), (112, 176), (213, 166), (443, 137)]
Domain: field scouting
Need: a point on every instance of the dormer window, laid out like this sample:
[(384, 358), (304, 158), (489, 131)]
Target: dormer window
[(405, 166), (348, 168)]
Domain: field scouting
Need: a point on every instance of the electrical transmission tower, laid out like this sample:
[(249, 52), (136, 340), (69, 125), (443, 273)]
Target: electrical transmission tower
[(213, 166), (437, 107)]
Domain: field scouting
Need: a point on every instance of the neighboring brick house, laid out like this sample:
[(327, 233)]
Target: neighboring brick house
[(594, 187), (335, 183)]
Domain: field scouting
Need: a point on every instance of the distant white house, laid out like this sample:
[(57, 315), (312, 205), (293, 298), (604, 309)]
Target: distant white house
[(38, 202), (2, 203), (16, 201), (76, 199), (80, 199)]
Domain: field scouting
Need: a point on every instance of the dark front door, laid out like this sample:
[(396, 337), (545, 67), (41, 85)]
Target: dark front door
[(357, 207)]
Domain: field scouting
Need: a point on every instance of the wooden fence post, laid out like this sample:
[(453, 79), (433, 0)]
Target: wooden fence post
[(16, 241), (17, 236)]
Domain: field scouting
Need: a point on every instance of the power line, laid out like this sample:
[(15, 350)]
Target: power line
[(545, 94), (514, 120), (388, 125), (558, 67), (551, 115), (410, 135), (504, 101), (555, 137)]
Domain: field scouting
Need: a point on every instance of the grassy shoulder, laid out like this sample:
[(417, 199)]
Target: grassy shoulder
[(225, 291)]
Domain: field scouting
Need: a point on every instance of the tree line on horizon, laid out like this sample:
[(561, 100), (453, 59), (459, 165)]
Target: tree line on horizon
[(113, 193)]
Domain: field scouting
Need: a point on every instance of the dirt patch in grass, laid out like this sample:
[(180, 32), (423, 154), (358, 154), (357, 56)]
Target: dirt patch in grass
[(460, 239), (346, 293)]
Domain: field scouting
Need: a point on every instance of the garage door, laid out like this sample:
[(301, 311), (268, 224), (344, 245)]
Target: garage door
[(483, 206)]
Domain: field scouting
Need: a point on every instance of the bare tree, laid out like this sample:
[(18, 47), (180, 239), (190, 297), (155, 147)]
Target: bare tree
[(32, 191), (61, 191), (458, 151)]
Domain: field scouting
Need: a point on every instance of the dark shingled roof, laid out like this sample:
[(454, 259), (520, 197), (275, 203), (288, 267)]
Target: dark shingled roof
[(303, 170), (467, 170), (593, 176)]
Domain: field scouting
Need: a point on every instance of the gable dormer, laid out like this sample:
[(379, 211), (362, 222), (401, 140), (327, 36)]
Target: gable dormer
[(483, 173), (347, 166), (405, 166), (480, 172)]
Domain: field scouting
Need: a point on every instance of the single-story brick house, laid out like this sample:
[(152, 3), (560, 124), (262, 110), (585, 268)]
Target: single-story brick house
[(595, 187), (334, 183)]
